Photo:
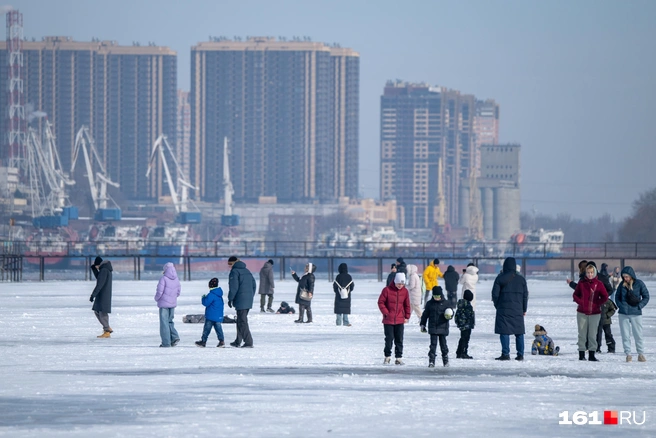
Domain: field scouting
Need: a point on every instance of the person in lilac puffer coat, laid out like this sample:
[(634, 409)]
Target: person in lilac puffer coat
[(168, 291)]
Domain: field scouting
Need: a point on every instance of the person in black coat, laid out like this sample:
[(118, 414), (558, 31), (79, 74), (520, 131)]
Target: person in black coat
[(242, 290), (101, 297), (401, 266), (306, 282), (438, 325), (451, 278), (510, 298), (343, 281), (391, 275)]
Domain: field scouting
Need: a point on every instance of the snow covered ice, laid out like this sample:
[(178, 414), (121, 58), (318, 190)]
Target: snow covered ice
[(316, 379)]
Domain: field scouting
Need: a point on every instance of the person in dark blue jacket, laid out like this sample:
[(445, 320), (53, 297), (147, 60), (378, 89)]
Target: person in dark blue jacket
[(242, 290), (213, 303), (631, 297)]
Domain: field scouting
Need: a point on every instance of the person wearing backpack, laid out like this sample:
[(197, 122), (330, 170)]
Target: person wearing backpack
[(343, 286), (631, 297)]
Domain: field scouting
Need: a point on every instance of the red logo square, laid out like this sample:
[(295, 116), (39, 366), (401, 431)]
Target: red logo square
[(610, 417)]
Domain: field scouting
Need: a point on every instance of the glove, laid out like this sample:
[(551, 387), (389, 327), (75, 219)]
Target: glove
[(423, 329), (230, 304), (204, 296), (91, 298)]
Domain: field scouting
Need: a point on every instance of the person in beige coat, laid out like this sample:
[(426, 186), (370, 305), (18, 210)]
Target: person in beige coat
[(414, 289)]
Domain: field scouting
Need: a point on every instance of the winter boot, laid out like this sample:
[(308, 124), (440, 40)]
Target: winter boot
[(200, 343), (519, 357), (629, 358), (503, 357), (235, 344), (431, 364), (611, 348), (591, 356), (221, 344), (309, 315), (174, 343), (642, 358), (581, 355), (445, 361), (109, 329), (104, 335), (556, 351), (301, 314), (466, 356), (270, 310), (398, 361), (262, 310), (387, 360)]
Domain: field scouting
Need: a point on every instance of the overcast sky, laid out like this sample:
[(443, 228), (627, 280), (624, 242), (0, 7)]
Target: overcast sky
[(575, 79)]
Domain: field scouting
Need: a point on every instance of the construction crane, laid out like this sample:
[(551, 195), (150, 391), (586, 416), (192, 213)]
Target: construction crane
[(98, 181), (228, 219), (179, 192), (48, 181)]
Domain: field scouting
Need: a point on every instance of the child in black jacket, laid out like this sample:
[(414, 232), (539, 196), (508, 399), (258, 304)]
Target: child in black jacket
[(465, 321), (285, 308), (437, 313)]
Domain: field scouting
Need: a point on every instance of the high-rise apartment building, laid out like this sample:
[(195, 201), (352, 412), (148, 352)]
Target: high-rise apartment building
[(125, 94), (290, 112), (422, 125)]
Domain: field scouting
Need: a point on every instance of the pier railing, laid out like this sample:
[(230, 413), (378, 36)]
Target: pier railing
[(275, 248)]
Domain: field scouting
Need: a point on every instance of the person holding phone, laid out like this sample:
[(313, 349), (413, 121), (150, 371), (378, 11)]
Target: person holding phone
[(305, 283)]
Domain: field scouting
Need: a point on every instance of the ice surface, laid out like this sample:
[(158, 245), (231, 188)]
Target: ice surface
[(300, 379)]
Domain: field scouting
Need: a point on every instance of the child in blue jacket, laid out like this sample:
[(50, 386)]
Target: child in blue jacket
[(213, 303)]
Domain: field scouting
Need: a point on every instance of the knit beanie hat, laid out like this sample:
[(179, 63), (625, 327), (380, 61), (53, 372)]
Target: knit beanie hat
[(437, 290), (539, 328), (393, 265), (399, 278), (270, 261), (436, 261), (400, 260), (214, 283), (468, 295), (97, 261)]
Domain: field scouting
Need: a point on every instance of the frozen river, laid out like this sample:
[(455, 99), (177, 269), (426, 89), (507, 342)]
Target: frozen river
[(316, 379)]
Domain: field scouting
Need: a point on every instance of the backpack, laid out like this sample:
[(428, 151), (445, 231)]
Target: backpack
[(343, 291)]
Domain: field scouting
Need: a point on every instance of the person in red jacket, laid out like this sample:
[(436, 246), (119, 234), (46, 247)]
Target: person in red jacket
[(394, 304), (590, 294)]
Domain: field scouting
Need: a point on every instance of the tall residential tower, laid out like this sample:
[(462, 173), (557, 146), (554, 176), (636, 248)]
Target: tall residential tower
[(290, 112), (125, 94)]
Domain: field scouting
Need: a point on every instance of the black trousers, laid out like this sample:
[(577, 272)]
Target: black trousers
[(393, 333), (243, 332), (433, 346), (463, 343), (610, 342)]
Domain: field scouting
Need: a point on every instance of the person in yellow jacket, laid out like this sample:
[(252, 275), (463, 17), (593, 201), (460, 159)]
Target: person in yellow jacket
[(431, 274)]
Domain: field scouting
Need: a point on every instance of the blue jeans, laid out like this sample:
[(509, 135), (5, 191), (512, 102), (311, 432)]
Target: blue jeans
[(628, 324), (207, 328), (340, 317), (505, 344), (167, 330)]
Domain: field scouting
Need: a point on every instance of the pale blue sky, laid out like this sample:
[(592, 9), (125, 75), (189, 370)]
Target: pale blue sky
[(575, 79)]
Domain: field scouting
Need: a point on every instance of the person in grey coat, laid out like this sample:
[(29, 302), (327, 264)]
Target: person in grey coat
[(242, 290), (510, 298), (101, 297), (266, 286)]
